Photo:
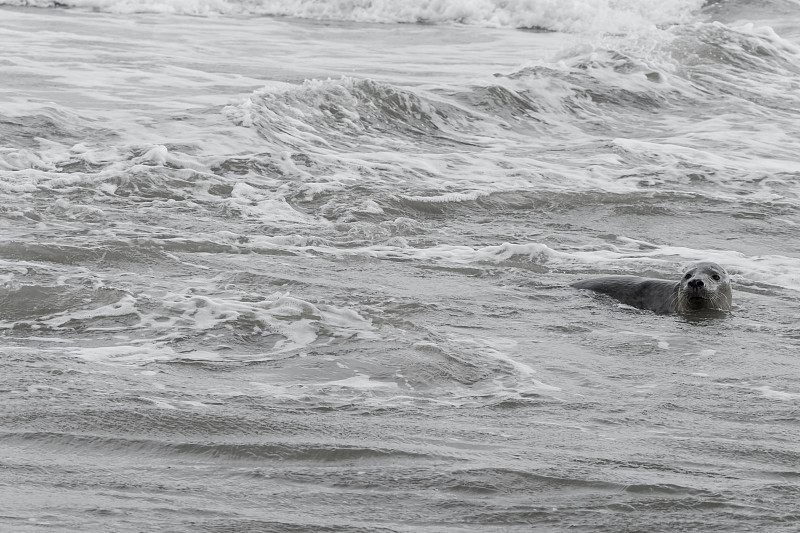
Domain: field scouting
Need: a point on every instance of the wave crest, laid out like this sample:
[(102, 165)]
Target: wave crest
[(334, 113), (602, 16)]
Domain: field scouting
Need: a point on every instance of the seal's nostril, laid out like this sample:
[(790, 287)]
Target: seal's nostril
[(696, 283)]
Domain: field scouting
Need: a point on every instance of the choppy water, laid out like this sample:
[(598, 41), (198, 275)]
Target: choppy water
[(304, 266)]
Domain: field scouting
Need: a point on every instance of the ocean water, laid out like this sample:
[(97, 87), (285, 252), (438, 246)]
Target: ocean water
[(304, 266)]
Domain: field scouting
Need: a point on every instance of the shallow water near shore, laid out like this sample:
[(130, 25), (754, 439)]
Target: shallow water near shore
[(294, 266)]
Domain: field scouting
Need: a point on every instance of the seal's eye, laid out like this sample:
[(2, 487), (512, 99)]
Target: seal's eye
[(716, 277), (688, 275)]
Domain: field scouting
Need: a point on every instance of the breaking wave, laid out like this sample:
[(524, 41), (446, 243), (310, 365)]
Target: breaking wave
[(555, 15)]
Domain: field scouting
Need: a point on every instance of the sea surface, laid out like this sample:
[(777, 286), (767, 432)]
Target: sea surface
[(304, 265)]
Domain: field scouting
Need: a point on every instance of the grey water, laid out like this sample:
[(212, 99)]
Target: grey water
[(286, 266)]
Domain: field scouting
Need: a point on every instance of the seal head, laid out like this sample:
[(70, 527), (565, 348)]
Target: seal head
[(706, 285)]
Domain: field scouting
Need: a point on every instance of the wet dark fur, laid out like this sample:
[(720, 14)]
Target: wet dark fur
[(698, 289)]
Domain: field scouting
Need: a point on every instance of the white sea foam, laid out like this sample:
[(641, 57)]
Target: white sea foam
[(628, 256), (19, 159), (449, 197), (773, 394), (292, 324), (565, 15), (361, 382), (126, 306)]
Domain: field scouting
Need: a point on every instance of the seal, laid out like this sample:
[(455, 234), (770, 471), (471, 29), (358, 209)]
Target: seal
[(704, 285)]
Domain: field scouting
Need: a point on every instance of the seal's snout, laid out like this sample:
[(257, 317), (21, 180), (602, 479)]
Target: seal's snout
[(696, 283)]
